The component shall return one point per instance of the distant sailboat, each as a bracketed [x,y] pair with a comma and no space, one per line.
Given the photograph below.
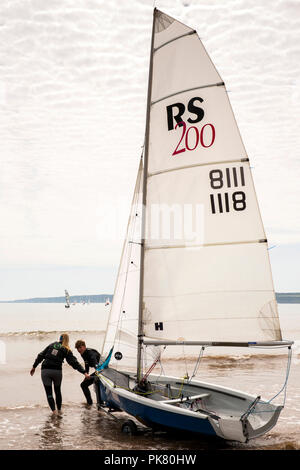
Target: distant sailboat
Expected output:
[170,294]
[67,297]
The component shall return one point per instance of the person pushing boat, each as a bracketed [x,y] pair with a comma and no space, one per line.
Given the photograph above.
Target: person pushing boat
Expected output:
[91,359]
[52,358]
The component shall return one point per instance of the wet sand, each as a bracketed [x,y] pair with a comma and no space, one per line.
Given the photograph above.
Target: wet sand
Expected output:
[26,422]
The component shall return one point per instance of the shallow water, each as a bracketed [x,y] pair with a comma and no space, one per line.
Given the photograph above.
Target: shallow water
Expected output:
[25,419]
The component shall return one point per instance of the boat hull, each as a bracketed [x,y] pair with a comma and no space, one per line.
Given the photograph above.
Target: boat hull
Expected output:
[156,418]
[171,414]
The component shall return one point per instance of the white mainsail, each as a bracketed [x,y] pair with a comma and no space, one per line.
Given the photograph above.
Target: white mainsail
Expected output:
[213,282]
[218,288]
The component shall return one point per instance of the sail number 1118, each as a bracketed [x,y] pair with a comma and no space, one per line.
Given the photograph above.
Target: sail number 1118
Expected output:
[224,202]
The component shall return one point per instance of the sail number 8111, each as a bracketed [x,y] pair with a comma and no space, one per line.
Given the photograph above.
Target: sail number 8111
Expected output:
[222,202]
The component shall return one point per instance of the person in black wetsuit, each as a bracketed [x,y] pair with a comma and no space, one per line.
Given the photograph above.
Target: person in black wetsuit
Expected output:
[91,359]
[53,356]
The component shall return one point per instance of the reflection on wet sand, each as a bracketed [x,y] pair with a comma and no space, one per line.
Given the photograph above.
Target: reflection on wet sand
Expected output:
[89,429]
[51,435]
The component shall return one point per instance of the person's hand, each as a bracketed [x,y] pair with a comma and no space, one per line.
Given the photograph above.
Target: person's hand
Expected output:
[32,371]
[86,376]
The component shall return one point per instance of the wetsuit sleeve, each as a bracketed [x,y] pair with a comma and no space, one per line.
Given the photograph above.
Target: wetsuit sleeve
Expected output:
[94,358]
[40,357]
[72,361]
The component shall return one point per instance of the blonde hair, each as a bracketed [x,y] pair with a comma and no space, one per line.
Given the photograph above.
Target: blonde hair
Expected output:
[65,341]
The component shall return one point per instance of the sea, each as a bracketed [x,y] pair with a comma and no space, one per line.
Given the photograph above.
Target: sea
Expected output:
[26,422]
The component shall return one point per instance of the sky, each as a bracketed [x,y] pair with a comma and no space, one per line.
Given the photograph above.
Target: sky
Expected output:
[73,88]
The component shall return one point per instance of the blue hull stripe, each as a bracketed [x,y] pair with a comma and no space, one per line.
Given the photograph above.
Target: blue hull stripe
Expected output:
[155,417]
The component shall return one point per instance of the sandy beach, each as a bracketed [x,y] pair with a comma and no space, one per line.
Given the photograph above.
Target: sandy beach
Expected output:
[25,419]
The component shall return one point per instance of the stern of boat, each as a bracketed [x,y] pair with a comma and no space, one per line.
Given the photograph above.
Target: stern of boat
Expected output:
[258,421]
[262,420]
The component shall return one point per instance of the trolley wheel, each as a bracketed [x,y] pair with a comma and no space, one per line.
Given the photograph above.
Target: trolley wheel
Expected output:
[129,427]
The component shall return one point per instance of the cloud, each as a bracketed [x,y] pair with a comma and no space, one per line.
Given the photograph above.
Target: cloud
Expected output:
[73,91]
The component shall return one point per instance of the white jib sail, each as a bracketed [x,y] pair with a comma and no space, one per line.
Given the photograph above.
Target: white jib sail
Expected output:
[122,328]
[207,273]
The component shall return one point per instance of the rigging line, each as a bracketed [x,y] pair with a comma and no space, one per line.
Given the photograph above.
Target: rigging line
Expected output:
[185,167]
[286,377]
[185,361]
[127,389]
[148,372]
[197,363]
[165,247]
[160,363]
[162,372]
[181,388]
[188,89]
[190,33]
[284,387]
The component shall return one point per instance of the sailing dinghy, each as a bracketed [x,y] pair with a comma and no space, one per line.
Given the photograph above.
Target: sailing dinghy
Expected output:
[207,287]
[67,297]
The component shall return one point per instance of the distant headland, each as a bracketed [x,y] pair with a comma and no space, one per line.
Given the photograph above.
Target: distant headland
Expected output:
[288,297]
[98,299]
[281,297]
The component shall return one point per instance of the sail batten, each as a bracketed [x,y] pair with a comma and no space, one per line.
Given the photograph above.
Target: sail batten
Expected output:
[238,160]
[188,89]
[174,39]
[165,247]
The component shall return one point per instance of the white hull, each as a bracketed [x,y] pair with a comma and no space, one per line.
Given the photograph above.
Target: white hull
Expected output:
[202,407]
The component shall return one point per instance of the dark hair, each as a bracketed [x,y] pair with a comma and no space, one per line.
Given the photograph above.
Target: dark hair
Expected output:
[79,343]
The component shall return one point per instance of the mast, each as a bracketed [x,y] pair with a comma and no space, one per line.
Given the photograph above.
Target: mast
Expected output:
[146,153]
